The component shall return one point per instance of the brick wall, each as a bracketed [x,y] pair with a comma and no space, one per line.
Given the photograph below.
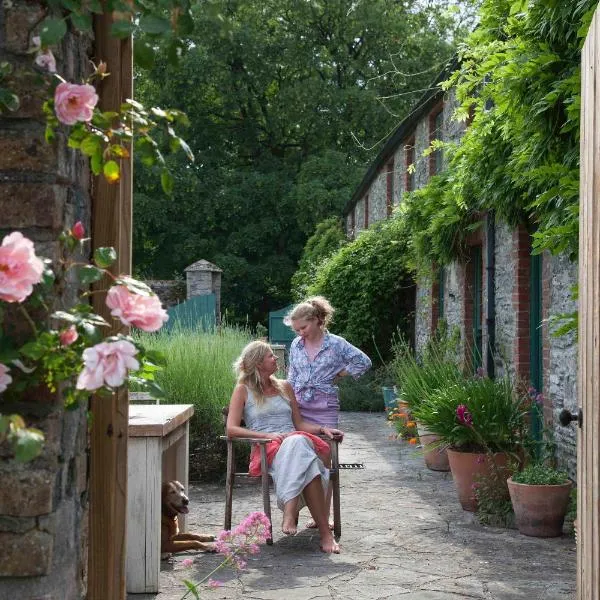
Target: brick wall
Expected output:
[520,301]
[43,188]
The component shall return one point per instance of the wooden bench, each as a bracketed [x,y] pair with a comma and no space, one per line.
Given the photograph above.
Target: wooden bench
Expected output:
[157,451]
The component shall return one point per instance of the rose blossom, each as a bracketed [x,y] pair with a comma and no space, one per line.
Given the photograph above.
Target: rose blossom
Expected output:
[78,230]
[68,336]
[46,60]
[5,378]
[73,102]
[20,268]
[463,415]
[144,312]
[107,363]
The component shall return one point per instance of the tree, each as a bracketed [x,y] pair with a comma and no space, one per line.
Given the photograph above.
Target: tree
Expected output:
[277,94]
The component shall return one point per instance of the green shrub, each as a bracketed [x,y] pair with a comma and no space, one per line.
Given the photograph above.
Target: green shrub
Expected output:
[369,285]
[540,474]
[199,372]
[361,395]
[476,415]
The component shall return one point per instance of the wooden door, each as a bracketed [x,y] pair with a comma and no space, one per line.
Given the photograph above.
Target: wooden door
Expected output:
[588,473]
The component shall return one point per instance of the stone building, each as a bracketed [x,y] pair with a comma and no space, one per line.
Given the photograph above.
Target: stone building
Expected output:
[500,296]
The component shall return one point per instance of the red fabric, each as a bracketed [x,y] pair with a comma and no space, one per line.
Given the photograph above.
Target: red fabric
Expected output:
[321,448]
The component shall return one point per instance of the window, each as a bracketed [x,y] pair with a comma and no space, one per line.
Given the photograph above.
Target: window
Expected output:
[389,199]
[409,153]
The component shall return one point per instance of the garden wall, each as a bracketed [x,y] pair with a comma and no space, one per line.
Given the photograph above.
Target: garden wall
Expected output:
[43,189]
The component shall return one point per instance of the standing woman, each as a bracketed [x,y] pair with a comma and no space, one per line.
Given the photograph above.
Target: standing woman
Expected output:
[295,455]
[318,359]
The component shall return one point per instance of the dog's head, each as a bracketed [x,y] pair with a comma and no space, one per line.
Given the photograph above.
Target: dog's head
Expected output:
[174,500]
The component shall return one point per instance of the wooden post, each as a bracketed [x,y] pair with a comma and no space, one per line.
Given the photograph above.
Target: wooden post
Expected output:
[111,226]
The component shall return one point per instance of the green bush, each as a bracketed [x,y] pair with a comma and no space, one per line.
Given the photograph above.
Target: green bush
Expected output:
[361,395]
[540,474]
[199,371]
[368,283]
[476,415]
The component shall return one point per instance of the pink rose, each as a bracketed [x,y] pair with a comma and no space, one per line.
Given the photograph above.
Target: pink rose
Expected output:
[68,336]
[78,230]
[73,103]
[20,268]
[144,312]
[5,378]
[107,363]
[46,60]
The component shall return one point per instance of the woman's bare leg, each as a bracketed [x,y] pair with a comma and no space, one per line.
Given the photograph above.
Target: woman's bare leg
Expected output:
[312,524]
[315,500]
[290,517]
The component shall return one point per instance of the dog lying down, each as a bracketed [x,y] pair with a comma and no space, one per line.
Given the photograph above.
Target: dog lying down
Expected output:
[175,502]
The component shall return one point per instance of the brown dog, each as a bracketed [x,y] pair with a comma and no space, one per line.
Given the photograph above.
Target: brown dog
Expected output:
[175,502]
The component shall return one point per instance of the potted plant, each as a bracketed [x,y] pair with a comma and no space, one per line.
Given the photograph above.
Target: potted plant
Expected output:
[540,498]
[482,422]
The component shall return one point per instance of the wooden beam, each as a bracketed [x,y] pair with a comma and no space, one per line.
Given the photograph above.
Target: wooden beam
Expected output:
[111,226]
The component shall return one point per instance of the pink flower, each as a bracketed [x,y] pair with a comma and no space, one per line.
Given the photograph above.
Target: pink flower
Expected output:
[214,583]
[144,312]
[20,268]
[78,230]
[68,336]
[463,415]
[187,562]
[107,363]
[46,60]
[73,102]
[5,378]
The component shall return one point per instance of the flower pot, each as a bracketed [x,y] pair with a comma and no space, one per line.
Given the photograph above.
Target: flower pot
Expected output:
[469,467]
[539,509]
[436,457]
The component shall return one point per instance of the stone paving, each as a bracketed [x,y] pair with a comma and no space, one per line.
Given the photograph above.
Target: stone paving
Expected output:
[404,536]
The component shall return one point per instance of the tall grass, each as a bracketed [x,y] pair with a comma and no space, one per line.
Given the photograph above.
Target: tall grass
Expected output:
[199,371]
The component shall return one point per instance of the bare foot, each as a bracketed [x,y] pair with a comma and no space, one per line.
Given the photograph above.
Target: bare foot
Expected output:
[312,525]
[289,525]
[330,546]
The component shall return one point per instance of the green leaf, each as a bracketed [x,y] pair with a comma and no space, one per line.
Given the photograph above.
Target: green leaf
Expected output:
[52,31]
[191,586]
[91,144]
[111,171]
[154,25]
[34,350]
[185,24]
[61,315]
[143,54]
[92,332]
[122,29]
[104,257]
[96,164]
[167,182]
[29,444]
[135,286]
[89,273]
[9,100]
[81,22]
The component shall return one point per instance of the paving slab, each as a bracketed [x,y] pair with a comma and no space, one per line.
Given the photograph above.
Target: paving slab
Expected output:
[404,535]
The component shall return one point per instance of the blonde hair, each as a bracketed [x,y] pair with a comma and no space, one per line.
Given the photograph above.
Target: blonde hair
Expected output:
[315,307]
[246,370]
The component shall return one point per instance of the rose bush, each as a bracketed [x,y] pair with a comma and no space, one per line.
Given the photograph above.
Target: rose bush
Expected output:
[60,348]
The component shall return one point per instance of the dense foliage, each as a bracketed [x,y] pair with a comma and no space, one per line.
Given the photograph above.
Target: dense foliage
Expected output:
[277,93]
[328,238]
[519,80]
[369,284]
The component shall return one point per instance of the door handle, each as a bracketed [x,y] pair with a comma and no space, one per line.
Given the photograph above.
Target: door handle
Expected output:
[566,416]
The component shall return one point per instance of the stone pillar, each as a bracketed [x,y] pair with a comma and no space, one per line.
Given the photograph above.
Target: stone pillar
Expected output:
[44,188]
[203,278]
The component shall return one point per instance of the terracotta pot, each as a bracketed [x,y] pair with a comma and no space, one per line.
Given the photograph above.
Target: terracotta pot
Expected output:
[436,457]
[539,509]
[469,467]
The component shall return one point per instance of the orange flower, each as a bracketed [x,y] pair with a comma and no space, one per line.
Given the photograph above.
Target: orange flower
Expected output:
[402,415]
[412,441]
[411,424]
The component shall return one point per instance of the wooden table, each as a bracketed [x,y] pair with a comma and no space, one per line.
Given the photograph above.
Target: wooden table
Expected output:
[158,450]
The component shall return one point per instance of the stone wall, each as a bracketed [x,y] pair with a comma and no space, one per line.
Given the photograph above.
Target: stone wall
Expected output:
[170,292]
[43,188]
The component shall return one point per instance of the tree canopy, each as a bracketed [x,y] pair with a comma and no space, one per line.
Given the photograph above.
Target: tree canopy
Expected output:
[287,102]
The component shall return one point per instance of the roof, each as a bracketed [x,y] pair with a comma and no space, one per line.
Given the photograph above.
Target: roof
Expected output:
[203,265]
[401,133]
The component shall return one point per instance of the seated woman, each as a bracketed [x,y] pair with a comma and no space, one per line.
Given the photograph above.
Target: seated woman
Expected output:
[270,411]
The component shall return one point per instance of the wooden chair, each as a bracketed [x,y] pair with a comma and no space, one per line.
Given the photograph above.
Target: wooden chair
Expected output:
[334,478]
